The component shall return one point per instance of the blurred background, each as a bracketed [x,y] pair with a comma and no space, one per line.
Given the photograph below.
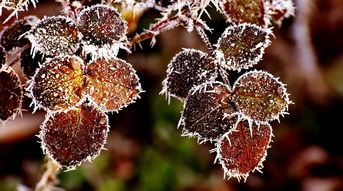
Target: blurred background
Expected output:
[145,151]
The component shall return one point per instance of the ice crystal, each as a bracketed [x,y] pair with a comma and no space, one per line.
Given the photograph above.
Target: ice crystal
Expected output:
[30,64]
[208,112]
[11,94]
[242,46]
[14,6]
[260,96]
[187,69]
[241,151]
[281,9]
[75,136]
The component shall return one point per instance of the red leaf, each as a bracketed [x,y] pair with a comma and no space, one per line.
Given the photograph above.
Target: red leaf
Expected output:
[243,150]
[75,136]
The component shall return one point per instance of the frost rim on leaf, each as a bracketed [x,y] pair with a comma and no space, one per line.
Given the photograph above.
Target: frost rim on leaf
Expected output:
[228,173]
[200,138]
[230,63]
[88,158]
[283,92]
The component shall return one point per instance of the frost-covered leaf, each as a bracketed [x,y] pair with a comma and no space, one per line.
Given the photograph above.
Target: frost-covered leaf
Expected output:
[12,36]
[55,36]
[30,64]
[245,11]
[103,30]
[57,84]
[208,112]
[11,94]
[243,150]
[112,84]
[75,136]
[281,9]
[2,56]
[242,46]
[260,96]
[187,69]
[101,24]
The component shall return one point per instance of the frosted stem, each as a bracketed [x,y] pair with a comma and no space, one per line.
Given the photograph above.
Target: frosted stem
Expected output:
[49,178]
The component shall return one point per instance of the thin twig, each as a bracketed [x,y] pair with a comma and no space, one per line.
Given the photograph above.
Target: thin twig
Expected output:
[49,177]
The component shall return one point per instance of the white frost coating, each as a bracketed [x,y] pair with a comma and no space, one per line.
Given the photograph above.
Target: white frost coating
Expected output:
[105,51]
[286,6]
[170,69]
[246,59]
[233,173]
[281,90]
[22,5]
[46,151]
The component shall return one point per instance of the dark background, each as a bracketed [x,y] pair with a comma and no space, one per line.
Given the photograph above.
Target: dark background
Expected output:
[145,150]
